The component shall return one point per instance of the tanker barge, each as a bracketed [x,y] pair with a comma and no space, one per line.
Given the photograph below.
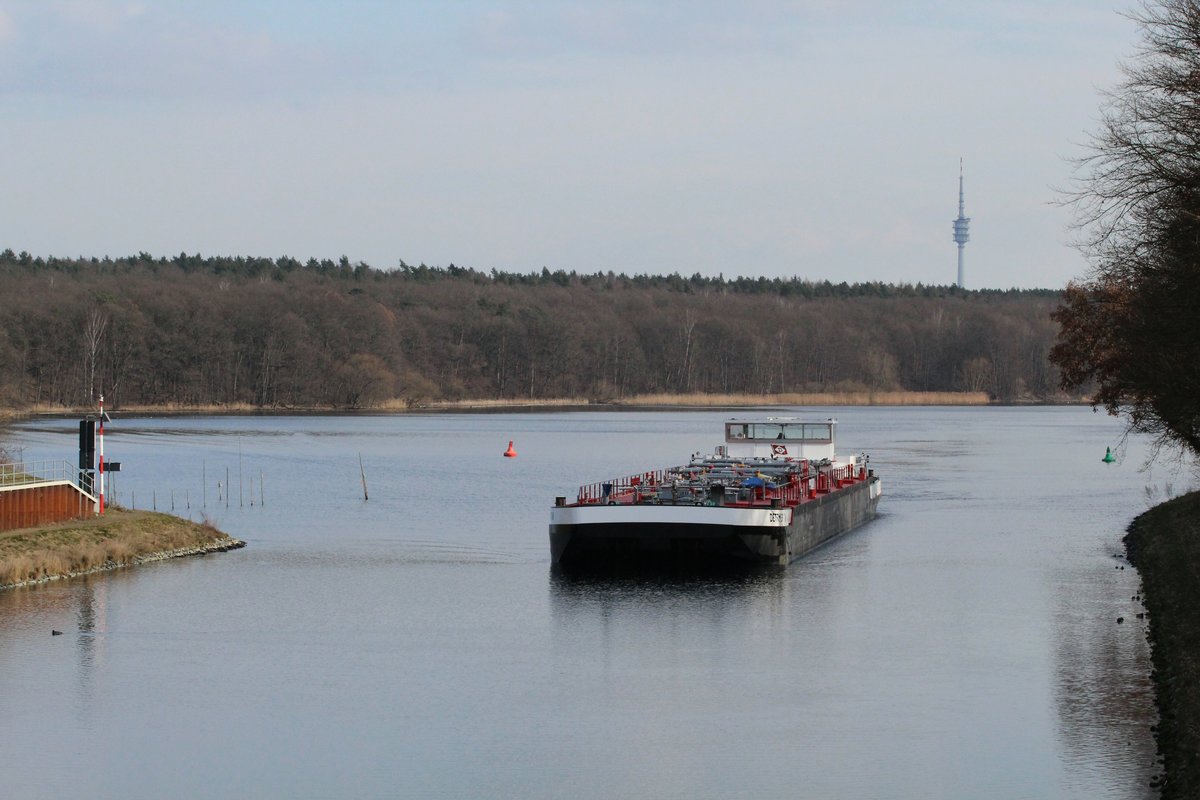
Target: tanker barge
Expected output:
[774,491]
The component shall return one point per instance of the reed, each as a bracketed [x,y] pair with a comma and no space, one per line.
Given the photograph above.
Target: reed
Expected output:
[508,403]
[191,408]
[119,538]
[855,398]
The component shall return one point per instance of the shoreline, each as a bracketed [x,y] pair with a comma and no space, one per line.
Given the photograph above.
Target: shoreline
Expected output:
[1164,545]
[121,538]
[148,558]
[680,402]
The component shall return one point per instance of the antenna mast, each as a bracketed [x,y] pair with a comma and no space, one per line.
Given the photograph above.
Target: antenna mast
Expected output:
[961,226]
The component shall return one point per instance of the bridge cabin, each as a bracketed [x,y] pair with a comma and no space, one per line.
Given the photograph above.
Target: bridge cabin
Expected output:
[780,437]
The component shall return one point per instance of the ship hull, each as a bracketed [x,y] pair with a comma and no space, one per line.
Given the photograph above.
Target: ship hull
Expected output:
[580,535]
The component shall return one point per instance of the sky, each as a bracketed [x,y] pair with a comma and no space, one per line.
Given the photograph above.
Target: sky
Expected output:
[813,139]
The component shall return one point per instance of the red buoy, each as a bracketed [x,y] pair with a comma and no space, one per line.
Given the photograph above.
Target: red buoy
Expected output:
[510,452]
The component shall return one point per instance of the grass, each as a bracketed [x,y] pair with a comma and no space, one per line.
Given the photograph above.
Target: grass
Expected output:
[1164,544]
[118,538]
[858,398]
[695,400]
[492,403]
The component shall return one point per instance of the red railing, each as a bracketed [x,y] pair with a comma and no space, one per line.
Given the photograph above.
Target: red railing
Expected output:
[622,490]
[658,486]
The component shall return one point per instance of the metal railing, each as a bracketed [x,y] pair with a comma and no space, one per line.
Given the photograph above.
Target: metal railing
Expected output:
[682,486]
[25,472]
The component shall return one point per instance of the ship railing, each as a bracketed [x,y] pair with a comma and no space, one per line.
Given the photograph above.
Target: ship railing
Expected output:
[621,490]
[682,487]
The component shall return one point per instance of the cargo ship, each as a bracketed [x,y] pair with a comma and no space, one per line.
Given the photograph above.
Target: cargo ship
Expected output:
[774,491]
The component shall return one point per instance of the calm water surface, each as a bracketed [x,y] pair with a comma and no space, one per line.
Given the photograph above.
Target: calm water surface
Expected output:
[963,645]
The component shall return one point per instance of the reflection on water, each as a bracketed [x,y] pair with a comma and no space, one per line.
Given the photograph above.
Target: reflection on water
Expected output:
[419,644]
[1103,691]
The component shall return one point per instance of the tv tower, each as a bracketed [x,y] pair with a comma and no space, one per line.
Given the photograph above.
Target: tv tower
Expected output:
[961,226]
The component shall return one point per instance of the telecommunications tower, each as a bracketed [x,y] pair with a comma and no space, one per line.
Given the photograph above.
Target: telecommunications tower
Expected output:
[961,226]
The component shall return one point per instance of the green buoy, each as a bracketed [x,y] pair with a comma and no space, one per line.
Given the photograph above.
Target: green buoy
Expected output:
[1108,456]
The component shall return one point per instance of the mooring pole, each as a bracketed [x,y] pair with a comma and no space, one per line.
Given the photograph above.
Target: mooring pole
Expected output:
[362,472]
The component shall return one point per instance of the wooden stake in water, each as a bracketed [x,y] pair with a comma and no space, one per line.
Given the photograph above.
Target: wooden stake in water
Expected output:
[261,500]
[363,473]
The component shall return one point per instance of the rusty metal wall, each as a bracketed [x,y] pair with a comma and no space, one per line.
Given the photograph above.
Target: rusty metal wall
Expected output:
[26,507]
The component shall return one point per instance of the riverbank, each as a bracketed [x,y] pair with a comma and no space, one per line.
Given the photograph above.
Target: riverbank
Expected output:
[1164,545]
[398,406]
[120,538]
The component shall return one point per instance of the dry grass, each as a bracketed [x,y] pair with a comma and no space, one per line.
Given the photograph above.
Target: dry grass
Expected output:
[400,404]
[117,538]
[191,408]
[508,403]
[813,399]
[45,409]
[1164,544]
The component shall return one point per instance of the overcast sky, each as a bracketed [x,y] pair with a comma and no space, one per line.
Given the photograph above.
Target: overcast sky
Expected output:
[813,138]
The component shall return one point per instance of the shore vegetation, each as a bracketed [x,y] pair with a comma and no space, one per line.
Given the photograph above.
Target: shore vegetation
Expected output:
[118,538]
[1131,331]
[1164,545]
[248,333]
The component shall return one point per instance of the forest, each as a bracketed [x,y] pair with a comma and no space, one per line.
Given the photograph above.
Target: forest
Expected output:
[281,333]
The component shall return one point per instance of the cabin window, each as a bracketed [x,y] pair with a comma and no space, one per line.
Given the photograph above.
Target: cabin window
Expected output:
[768,430]
[777,431]
[819,433]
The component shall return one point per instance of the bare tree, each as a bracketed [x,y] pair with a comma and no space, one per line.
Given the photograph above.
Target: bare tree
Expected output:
[93,336]
[1132,326]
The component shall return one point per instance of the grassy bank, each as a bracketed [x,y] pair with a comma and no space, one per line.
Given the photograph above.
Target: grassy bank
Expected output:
[813,399]
[119,538]
[399,405]
[1164,544]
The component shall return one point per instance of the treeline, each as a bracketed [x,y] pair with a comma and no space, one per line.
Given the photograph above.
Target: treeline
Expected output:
[282,333]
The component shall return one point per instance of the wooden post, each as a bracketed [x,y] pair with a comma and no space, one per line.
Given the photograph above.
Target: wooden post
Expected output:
[362,473]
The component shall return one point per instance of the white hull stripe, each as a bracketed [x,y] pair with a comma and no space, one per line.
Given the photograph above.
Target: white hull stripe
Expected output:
[666,515]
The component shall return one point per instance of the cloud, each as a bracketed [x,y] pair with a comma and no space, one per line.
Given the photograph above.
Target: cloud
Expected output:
[526,31]
[8,28]
[770,138]
[98,49]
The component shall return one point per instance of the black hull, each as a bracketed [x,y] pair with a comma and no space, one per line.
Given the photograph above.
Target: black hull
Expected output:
[813,523]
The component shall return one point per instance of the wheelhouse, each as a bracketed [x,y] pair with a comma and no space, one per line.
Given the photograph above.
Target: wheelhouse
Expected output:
[780,437]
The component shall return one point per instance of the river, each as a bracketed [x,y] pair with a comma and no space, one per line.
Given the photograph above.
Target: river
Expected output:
[418,644]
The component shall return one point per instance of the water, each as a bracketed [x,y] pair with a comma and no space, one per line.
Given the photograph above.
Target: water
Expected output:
[964,644]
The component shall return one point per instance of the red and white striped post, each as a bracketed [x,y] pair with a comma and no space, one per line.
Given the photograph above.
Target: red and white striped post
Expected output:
[100,448]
